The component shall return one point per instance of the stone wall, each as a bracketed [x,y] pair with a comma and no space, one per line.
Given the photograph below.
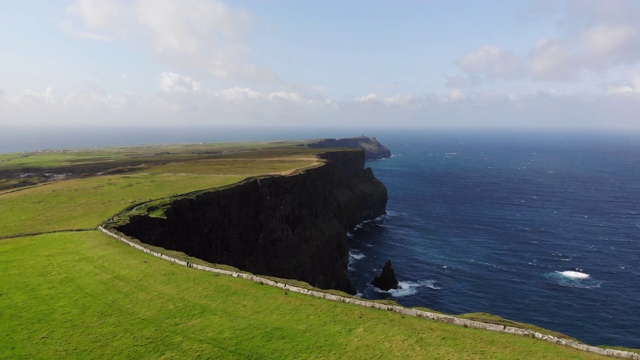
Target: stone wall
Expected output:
[398,309]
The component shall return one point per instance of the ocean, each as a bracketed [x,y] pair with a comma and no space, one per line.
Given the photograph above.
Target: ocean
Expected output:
[542,228]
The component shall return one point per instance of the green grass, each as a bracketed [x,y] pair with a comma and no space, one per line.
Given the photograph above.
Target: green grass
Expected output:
[84,295]
[85,203]
[47,159]
[235,166]
[151,173]
[65,158]
[26,169]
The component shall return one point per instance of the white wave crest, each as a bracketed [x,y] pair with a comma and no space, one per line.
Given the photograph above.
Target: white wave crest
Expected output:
[574,274]
[403,291]
[408,288]
[353,257]
[574,278]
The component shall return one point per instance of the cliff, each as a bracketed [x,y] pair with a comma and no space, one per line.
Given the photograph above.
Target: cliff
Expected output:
[286,226]
[373,149]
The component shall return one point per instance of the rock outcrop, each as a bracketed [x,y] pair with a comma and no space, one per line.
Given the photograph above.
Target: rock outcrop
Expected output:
[286,226]
[387,280]
[373,149]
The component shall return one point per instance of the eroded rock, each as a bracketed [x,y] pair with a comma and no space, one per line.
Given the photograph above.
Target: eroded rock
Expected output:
[285,226]
[387,280]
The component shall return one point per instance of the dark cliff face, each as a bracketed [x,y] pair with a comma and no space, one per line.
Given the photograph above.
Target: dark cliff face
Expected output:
[285,226]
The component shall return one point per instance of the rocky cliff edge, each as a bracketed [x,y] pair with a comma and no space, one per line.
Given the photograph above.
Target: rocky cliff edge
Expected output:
[286,226]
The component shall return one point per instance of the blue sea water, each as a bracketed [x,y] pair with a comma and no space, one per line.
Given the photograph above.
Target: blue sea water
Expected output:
[537,228]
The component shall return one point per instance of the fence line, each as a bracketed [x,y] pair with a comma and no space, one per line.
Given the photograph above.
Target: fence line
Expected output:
[398,309]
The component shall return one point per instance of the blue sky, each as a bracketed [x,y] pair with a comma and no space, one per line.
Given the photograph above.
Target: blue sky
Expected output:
[416,63]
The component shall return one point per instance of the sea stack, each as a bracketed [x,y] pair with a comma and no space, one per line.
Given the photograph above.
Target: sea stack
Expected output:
[387,280]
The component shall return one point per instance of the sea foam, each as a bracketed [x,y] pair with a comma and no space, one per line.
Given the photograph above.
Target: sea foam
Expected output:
[574,274]
[408,288]
[574,278]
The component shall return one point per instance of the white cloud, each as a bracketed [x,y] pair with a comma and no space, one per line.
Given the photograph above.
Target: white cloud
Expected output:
[207,35]
[91,101]
[184,27]
[68,28]
[287,96]
[593,38]
[399,99]
[622,89]
[456,81]
[237,94]
[31,98]
[606,40]
[174,83]
[246,106]
[631,88]
[457,95]
[610,45]
[491,61]
[373,100]
[368,98]
[96,13]
[29,107]
[552,61]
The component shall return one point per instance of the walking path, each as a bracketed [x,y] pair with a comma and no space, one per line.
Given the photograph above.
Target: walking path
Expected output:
[398,309]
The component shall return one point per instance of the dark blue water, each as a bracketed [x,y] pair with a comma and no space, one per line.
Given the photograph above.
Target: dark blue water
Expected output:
[538,228]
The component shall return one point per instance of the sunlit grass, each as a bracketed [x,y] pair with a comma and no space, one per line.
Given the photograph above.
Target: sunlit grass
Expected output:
[84,295]
[151,172]
[170,152]
[235,166]
[85,203]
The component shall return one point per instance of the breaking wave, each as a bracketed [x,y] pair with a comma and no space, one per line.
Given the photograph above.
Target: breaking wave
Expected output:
[574,278]
[574,274]
[408,288]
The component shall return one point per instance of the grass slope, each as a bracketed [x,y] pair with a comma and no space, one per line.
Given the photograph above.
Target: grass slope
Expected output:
[85,203]
[84,295]
[150,173]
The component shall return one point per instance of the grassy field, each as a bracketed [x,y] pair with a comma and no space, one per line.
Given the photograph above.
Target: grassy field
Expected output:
[85,203]
[85,295]
[241,166]
[66,158]
[24,169]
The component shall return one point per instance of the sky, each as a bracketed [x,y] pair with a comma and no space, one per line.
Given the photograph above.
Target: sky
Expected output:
[513,64]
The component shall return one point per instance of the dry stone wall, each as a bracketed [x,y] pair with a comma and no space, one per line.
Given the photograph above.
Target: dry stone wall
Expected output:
[398,309]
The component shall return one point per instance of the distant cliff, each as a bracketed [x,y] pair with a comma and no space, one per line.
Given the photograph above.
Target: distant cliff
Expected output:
[286,226]
[373,149]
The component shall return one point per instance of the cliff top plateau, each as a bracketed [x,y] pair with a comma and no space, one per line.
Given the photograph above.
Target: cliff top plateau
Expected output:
[373,149]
